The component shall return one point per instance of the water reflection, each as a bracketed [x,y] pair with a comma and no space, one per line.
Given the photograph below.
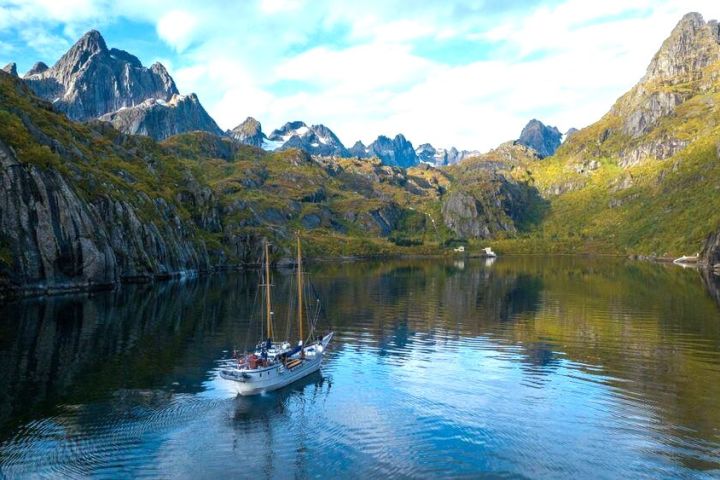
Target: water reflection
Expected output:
[526,366]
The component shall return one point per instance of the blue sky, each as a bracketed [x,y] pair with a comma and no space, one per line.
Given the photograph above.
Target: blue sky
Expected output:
[462,73]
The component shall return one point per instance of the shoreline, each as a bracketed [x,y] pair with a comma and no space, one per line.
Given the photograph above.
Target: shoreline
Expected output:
[9,294]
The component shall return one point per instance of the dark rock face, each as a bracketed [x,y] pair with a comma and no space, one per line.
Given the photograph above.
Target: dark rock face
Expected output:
[91,80]
[710,254]
[160,120]
[316,140]
[463,214]
[544,139]
[67,243]
[397,152]
[11,68]
[248,132]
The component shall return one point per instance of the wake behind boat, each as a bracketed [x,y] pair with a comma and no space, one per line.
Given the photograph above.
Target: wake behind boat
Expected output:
[274,365]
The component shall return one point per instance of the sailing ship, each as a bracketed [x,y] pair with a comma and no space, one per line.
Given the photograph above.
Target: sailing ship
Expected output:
[273,365]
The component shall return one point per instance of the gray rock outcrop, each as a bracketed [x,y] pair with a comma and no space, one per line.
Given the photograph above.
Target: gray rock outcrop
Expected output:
[160,120]
[248,132]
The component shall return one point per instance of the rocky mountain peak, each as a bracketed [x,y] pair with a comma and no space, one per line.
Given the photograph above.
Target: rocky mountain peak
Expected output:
[248,132]
[316,139]
[36,69]
[11,68]
[89,80]
[88,45]
[358,150]
[396,152]
[692,45]
[544,139]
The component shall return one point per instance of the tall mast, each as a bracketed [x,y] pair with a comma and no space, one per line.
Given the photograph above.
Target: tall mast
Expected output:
[299,287]
[268,307]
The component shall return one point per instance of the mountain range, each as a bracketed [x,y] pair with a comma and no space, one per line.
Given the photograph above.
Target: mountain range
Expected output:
[91,81]
[91,198]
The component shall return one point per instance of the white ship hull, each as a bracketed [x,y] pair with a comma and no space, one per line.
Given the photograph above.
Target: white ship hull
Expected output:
[246,382]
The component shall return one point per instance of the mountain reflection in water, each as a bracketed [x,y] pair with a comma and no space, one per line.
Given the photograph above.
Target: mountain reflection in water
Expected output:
[539,367]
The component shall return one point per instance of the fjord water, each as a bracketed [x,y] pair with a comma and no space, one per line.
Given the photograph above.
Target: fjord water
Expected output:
[530,367]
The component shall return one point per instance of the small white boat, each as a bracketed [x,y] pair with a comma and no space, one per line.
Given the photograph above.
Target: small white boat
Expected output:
[273,366]
[487,252]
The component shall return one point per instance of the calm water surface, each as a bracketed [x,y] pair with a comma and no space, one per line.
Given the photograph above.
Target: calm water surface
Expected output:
[525,368]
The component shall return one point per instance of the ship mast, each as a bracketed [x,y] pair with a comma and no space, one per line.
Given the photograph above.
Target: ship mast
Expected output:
[299,287]
[268,307]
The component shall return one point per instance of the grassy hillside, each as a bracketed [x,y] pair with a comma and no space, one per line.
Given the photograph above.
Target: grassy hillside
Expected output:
[645,178]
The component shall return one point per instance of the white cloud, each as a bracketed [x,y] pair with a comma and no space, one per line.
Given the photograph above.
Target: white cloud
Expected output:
[564,64]
[177,27]
[275,6]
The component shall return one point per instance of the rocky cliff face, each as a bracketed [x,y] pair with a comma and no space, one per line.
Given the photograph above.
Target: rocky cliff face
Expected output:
[249,132]
[76,211]
[160,120]
[710,253]
[544,139]
[91,80]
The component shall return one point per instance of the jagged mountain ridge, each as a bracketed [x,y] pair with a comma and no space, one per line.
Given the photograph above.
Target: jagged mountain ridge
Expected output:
[321,141]
[93,81]
[441,157]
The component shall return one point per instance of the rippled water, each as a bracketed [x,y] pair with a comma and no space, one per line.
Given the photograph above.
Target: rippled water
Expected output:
[528,367]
